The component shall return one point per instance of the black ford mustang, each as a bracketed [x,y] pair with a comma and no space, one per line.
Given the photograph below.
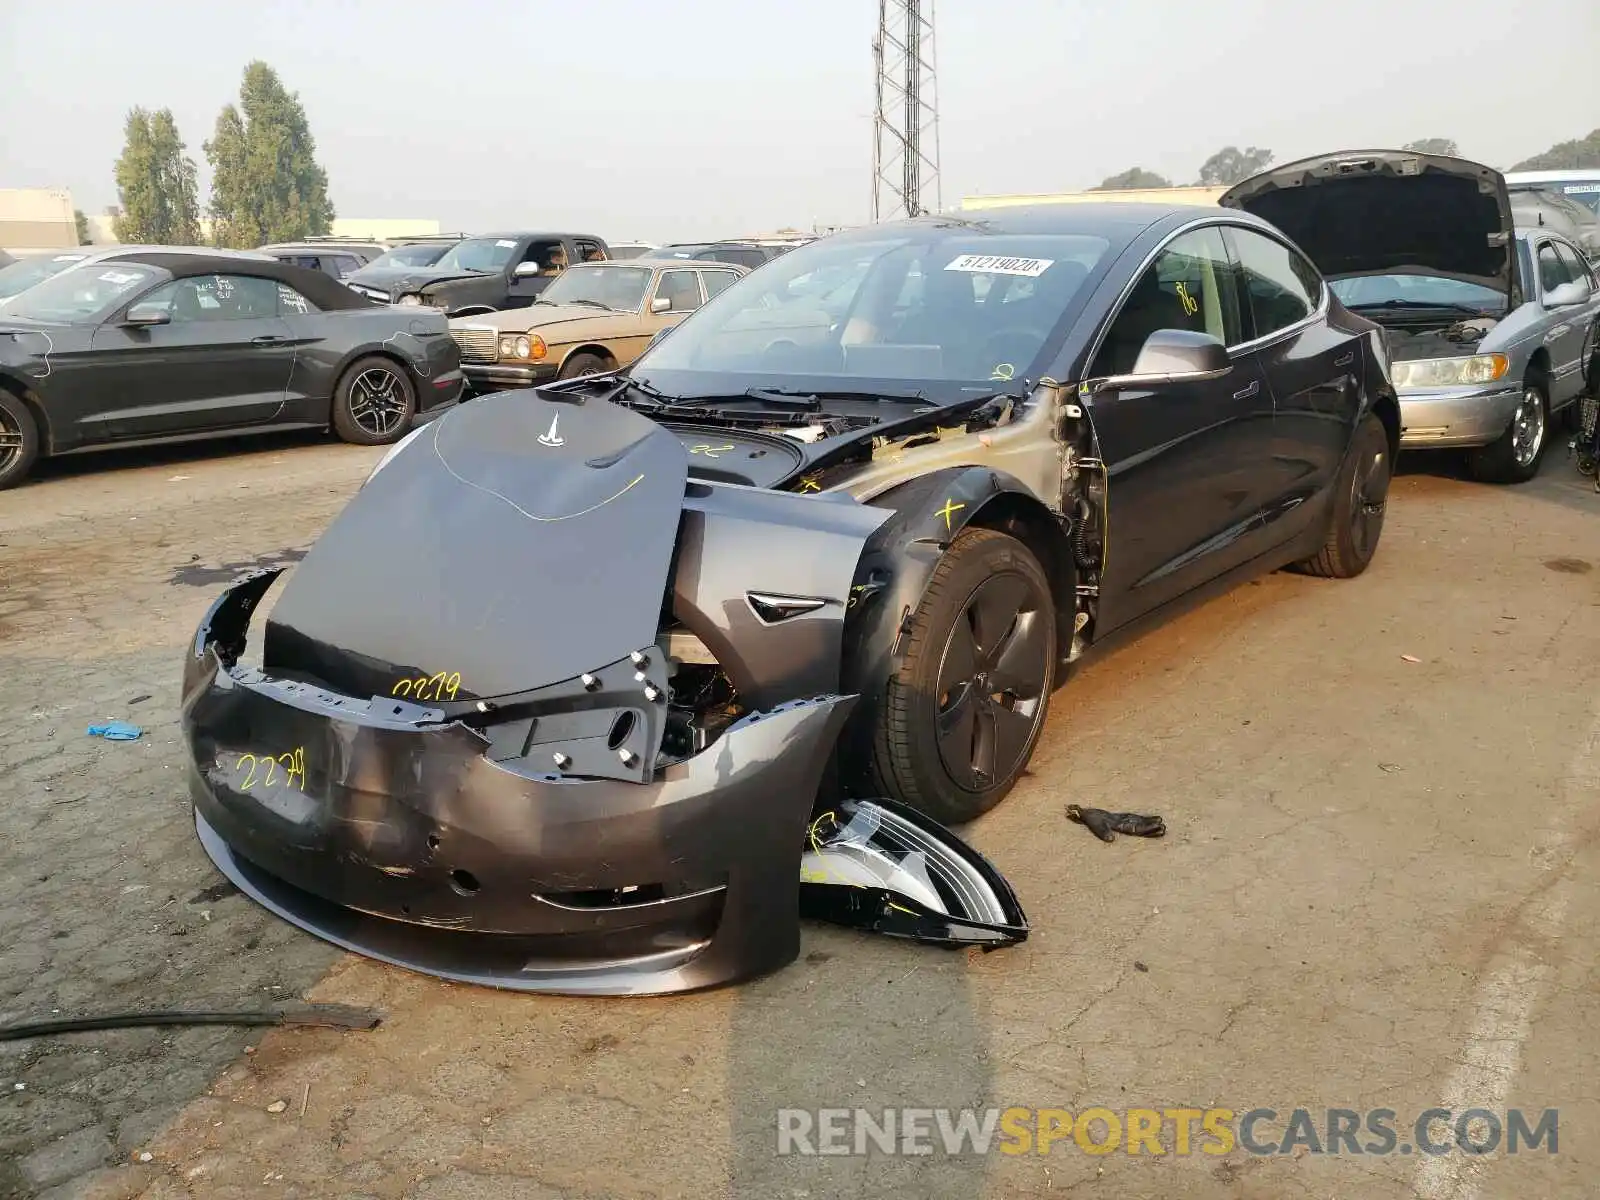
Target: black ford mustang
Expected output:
[159,346]
[786,597]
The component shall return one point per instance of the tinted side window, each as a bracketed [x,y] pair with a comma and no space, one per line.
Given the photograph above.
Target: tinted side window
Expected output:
[1576,267]
[588,251]
[1552,272]
[1283,288]
[1191,285]
[292,303]
[344,264]
[716,281]
[216,298]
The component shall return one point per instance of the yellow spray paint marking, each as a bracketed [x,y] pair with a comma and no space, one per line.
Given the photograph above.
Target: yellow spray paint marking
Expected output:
[808,483]
[443,686]
[1190,304]
[1002,372]
[708,450]
[292,761]
[949,507]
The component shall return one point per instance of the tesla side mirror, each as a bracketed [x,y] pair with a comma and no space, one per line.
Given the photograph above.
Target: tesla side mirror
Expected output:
[1575,291]
[144,315]
[1172,356]
[661,304]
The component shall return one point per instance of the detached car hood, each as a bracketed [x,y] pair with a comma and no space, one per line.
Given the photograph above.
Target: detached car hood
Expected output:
[575,320]
[1381,212]
[548,535]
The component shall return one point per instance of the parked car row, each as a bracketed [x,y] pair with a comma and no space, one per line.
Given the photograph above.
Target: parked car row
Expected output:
[1487,320]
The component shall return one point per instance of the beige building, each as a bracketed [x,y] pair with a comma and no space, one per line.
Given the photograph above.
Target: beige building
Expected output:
[1174,195]
[36,219]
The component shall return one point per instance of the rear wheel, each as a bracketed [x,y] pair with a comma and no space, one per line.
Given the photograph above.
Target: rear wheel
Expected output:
[19,440]
[583,364]
[1514,457]
[1360,502]
[964,709]
[374,402]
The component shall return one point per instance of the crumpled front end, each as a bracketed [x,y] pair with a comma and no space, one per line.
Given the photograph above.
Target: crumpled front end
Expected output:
[384,827]
[543,712]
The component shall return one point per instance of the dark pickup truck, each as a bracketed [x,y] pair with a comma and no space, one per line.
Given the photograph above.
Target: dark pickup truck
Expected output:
[489,273]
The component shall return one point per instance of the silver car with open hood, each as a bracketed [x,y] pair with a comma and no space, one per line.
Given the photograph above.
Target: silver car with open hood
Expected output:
[1492,329]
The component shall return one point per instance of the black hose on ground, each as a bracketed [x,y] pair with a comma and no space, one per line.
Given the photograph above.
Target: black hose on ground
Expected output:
[326,1016]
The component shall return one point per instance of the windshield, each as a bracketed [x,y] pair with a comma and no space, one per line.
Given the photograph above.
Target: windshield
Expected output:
[1585,192]
[22,275]
[478,254]
[410,256]
[1368,290]
[938,304]
[620,288]
[82,293]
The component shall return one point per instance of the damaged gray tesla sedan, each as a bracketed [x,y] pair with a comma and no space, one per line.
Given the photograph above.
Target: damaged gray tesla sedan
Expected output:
[664,660]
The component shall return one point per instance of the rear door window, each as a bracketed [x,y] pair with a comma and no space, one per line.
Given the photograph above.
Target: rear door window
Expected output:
[1283,288]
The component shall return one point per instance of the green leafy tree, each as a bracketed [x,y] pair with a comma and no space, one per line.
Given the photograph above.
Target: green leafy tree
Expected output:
[1446,146]
[1231,164]
[1576,155]
[266,183]
[155,183]
[1131,179]
[82,223]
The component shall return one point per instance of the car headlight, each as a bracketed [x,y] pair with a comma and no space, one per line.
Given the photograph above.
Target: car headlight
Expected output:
[1451,372]
[524,346]
[393,450]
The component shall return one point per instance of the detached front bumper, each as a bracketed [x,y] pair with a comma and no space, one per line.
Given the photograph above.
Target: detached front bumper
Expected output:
[383,827]
[490,376]
[1458,417]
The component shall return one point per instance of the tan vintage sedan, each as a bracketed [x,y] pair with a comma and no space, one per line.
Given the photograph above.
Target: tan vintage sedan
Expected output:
[595,317]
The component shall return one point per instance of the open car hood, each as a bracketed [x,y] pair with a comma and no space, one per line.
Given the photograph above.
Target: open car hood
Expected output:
[1382,212]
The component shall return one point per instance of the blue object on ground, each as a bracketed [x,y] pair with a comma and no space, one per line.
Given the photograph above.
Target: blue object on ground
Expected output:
[116,731]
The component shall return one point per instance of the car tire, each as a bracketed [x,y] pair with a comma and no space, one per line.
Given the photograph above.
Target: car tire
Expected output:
[1360,500]
[374,403]
[1514,456]
[583,364]
[19,440]
[941,719]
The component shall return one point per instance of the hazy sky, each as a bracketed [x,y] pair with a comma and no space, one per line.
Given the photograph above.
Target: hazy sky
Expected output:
[715,117]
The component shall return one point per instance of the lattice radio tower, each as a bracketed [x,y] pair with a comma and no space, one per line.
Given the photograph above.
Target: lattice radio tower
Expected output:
[905,141]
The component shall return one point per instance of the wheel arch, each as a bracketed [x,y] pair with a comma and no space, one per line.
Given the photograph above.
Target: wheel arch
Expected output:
[598,349]
[30,400]
[897,566]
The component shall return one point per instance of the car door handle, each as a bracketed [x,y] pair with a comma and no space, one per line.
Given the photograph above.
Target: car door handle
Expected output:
[1346,360]
[1245,393]
[267,339]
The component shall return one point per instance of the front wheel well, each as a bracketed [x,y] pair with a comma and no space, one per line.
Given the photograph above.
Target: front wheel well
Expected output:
[30,401]
[1539,365]
[594,348]
[1045,536]
[1387,409]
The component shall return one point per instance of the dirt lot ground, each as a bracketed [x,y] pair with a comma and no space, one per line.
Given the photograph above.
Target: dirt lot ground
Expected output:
[1377,892]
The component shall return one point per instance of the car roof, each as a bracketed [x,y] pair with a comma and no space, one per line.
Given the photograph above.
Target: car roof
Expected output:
[550,235]
[322,290]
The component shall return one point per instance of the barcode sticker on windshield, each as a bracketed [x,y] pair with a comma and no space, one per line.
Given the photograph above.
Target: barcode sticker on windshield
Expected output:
[998,264]
[118,277]
[505,243]
[1581,189]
